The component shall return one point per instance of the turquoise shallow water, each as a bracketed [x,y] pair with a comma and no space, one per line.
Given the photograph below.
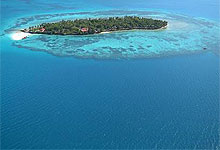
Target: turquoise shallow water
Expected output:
[50,102]
[184,35]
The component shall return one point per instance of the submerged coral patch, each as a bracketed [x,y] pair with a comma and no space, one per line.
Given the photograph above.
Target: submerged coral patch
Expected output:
[184,35]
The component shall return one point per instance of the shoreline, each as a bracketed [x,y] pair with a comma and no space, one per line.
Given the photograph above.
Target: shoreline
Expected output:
[105,32]
[162,28]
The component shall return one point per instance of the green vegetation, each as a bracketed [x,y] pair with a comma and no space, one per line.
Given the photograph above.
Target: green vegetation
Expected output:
[94,26]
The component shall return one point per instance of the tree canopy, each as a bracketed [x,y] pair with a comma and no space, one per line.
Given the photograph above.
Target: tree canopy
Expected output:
[97,25]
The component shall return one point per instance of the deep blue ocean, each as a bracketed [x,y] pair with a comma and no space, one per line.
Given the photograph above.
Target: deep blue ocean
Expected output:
[51,102]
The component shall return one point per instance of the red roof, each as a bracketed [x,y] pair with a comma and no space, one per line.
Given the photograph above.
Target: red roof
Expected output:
[84,29]
[42,29]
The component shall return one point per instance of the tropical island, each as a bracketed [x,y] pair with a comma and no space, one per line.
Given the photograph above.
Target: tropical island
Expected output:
[97,25]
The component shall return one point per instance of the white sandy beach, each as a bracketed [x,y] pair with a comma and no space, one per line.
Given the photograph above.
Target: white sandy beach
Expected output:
[104,32]
[18,35]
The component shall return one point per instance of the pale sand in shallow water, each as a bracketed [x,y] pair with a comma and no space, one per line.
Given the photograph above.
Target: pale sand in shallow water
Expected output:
[19,35]
[104,32]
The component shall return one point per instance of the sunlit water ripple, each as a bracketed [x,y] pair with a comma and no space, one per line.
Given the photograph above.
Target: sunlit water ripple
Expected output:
[65,103]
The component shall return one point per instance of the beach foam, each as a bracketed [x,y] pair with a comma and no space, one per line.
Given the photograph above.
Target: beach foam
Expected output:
[19,35]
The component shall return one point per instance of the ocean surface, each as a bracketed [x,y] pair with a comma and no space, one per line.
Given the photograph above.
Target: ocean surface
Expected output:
[163,97]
